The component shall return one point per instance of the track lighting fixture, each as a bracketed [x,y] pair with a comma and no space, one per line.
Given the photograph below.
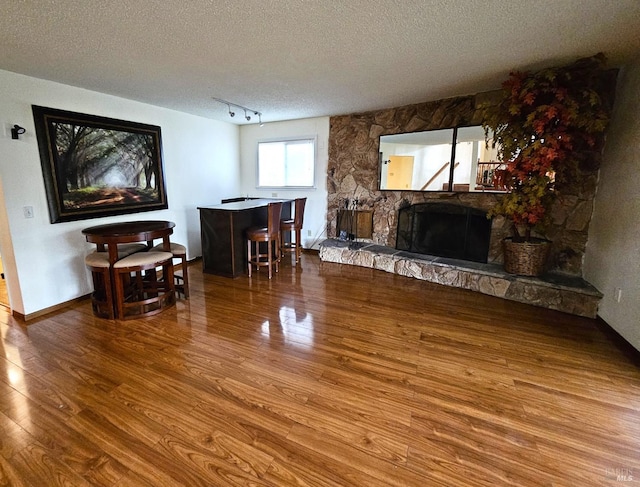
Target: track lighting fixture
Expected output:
[247,111]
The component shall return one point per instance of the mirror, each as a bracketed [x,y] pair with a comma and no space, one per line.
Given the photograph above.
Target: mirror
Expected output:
[422,161]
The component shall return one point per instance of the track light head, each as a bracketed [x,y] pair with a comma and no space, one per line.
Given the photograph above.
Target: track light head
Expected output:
[247,117]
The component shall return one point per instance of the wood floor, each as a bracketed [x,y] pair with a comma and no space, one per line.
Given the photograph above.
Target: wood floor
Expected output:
[327,375]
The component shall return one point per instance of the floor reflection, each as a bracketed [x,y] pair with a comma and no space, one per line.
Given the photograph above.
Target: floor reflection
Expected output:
[15,403]
[295,328]
[294,324]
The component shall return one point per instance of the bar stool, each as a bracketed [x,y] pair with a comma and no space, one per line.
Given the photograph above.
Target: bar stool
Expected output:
[269,235]
[102,296]
[143,295]
[294,227]
[178,251]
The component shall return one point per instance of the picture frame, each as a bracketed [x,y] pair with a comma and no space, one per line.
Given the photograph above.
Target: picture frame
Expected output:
[96,166]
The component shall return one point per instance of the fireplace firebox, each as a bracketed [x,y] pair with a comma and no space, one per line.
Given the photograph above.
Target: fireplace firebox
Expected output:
[444,230]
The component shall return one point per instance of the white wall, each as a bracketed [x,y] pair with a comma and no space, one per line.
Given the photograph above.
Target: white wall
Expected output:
[612,259]
[44,262]
[315,215]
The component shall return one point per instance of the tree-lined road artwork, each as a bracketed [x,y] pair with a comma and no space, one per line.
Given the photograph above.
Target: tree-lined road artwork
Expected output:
[104,167]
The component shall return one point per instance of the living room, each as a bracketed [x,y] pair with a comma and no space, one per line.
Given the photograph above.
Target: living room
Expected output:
[209,156]
[221,164]
[216,160]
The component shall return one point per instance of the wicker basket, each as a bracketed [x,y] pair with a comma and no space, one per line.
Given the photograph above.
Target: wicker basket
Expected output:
[526,258]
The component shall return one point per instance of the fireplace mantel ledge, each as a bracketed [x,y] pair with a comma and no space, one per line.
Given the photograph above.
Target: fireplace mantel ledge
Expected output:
[556,291]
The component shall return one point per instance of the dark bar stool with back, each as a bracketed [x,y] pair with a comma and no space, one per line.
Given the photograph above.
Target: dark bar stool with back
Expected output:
[294,227]
[269,235]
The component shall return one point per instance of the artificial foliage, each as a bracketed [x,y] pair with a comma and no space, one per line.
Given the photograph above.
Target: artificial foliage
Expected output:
[546,124]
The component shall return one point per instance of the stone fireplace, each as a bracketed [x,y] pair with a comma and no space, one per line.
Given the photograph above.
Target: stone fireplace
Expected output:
[353,172]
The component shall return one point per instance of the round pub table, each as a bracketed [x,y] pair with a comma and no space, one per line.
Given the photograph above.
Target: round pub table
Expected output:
[107,237]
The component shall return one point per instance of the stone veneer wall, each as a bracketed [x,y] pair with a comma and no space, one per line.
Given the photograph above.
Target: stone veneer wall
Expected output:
[353,173]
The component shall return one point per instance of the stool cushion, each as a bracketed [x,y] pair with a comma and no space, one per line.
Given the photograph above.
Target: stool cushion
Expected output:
[259,233]
[97,259]
[176,248]
[142,258]
[287,225]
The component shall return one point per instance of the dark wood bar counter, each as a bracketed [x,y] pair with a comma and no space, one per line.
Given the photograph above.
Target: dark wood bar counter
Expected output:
[222,233]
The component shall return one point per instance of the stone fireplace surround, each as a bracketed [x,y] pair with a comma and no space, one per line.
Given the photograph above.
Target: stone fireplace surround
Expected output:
[353,173]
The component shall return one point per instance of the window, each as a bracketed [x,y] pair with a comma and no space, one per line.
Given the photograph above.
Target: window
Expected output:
[286,163]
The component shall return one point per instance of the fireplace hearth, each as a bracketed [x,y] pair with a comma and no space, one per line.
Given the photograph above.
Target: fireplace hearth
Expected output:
[570,294]
[444,230]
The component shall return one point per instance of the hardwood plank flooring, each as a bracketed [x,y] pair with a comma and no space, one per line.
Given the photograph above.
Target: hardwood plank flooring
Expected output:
[327,375]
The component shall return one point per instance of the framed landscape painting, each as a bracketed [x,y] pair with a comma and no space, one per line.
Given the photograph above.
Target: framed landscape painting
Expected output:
[95,166]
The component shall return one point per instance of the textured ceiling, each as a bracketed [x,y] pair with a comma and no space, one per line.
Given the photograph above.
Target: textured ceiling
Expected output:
[293,59]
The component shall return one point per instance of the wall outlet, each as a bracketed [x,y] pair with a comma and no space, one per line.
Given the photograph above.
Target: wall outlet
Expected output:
[618,295]
[308,233]
[274,195]
[28,211]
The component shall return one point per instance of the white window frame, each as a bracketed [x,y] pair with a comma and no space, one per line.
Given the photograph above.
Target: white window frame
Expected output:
[312,139]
